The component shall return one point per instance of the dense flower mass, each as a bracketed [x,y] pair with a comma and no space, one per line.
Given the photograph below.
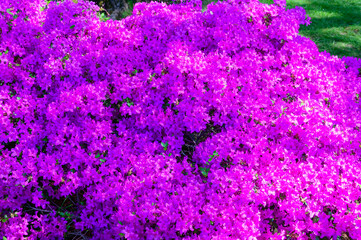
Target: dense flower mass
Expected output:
[175,123]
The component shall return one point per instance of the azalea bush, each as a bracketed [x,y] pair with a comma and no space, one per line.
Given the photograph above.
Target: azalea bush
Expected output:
[175,124]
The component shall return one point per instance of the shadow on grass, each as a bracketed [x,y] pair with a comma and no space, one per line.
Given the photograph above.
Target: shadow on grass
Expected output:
[336,25]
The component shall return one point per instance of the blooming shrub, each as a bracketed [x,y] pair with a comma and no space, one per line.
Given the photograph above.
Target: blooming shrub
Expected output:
[175,124]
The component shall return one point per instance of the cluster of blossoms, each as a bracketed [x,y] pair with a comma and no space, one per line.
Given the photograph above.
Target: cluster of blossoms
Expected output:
[175,124]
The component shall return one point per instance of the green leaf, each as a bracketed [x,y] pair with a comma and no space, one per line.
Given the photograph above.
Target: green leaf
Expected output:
[129,102]
[97,156]
[102,160]
[315,219]
[151,77]
[102,17]
[204,171]
[105,153]
[9,11]
[4,238]
[1,53]
[72,26]
[215,154]
[66,57]
[165,103]
[165,146]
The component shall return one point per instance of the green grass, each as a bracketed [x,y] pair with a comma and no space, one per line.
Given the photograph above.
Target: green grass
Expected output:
[335,28]
[336,25]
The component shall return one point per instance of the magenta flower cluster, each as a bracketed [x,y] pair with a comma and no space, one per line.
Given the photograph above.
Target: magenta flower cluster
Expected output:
[175,123]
